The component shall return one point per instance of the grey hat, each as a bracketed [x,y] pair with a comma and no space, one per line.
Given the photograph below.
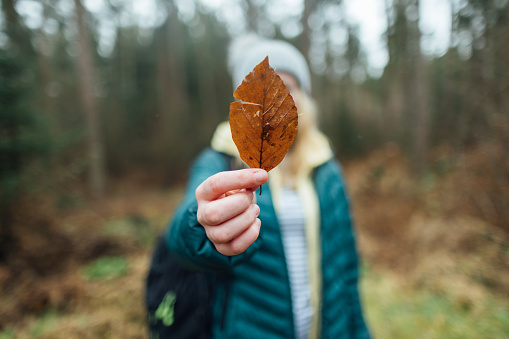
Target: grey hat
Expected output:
[248,51]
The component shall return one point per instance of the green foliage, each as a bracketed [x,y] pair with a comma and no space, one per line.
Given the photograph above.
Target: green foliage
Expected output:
[160,83]
[45,323]
[106,268]
[134,227]
[24,136]
[24,139]
[67,201]
[7,334]
[395,312]
[349,138]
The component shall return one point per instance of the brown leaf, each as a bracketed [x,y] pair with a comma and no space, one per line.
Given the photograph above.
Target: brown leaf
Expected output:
[264,121]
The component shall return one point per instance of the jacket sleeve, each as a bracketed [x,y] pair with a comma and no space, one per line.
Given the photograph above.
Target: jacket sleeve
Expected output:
[185,237]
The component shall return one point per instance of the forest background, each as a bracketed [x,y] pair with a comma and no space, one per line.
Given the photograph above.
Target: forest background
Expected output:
[97,135]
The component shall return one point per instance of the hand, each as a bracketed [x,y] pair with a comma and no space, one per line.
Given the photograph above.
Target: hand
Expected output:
[227,209]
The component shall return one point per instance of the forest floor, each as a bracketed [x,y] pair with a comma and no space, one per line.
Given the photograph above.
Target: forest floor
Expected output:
[431,268]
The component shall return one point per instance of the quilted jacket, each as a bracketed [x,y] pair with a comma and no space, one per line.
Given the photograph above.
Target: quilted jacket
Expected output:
[251,292]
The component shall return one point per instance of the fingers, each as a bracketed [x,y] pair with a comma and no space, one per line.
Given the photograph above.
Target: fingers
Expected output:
[253,200]
[237,234]
[227,231]
[220,183]
[240,244]
[227,209]
[218,211]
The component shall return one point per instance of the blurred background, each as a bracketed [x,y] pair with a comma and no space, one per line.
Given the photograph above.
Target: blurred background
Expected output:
[104,103]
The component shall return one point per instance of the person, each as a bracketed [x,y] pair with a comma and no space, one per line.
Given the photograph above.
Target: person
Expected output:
[282,264]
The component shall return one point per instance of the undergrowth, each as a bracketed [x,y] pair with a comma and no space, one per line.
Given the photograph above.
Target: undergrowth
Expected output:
[394,311]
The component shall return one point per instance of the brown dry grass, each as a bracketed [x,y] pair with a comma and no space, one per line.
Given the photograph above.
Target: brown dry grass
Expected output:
[428,229]
[432,233]
[42,287]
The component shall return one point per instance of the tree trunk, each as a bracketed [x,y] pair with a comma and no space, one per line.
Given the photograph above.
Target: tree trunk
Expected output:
[504,86]
[96,171]
[394,73]
[305,37]
[206,88]
[421,119]
[252,16]
[418,97]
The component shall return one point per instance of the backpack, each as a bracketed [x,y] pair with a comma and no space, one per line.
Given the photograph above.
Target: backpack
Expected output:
[178,300]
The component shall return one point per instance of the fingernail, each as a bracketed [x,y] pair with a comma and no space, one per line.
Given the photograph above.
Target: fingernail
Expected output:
[259,176]
[256,208]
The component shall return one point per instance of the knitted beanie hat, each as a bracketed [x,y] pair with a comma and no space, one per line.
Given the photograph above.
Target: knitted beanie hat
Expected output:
[248,51]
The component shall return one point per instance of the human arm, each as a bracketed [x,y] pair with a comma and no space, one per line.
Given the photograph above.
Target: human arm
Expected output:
[217,216]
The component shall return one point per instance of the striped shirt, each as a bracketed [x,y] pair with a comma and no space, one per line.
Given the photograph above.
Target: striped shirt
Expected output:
[292,222]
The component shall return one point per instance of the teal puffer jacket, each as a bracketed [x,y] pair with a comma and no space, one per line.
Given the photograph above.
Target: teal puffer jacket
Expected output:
[251,291]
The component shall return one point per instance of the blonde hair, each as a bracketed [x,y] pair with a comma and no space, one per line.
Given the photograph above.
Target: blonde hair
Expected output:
[296,157]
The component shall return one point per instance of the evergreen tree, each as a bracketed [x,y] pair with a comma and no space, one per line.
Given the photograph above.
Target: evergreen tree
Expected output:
[23,139]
